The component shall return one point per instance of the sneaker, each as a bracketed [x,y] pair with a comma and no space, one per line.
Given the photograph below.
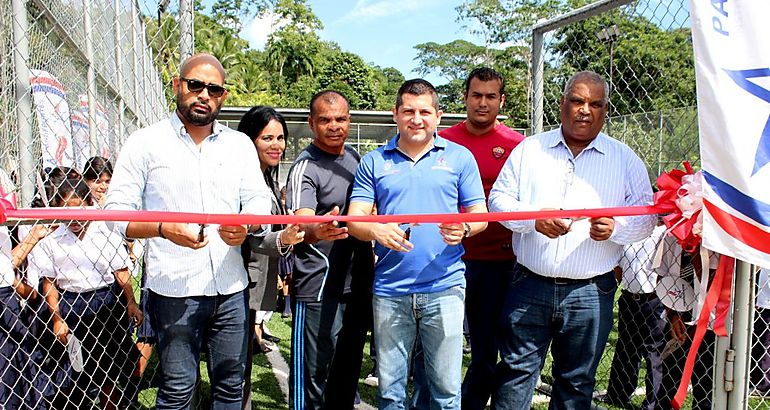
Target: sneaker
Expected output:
[372,380]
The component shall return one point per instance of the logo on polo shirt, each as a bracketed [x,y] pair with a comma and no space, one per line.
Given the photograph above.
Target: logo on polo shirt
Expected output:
[442,164]
[388,168]
[498,152]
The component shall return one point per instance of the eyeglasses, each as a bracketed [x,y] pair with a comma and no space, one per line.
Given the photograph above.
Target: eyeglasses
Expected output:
[197,86]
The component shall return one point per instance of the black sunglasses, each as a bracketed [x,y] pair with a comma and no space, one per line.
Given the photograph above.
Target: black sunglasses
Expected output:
[197,86]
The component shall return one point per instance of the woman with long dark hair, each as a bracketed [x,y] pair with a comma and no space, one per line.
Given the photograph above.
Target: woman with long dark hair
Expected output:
[268,131]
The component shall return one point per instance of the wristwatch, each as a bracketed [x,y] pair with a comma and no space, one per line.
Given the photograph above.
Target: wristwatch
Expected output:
[466,229]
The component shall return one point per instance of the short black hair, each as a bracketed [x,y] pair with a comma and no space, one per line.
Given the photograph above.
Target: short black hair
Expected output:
[329,96]
[417,86]
[72,187]
[95,167]
[485,74]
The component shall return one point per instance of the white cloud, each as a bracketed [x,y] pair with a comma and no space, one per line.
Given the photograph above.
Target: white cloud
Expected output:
[369,9]
[259,29]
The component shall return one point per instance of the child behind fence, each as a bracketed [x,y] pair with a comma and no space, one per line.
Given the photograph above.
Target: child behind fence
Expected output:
[86,283]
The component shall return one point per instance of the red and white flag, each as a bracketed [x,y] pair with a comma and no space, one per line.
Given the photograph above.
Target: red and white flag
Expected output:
[732,63]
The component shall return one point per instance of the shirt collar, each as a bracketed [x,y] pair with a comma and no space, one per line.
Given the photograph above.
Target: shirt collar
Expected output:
[180,130]
[599,143]
[438,142]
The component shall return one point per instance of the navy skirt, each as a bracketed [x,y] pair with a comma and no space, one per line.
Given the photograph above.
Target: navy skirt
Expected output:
[19,363]
[98,318]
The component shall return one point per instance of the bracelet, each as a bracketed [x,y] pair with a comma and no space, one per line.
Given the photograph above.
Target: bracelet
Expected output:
[160,230]
[283,250]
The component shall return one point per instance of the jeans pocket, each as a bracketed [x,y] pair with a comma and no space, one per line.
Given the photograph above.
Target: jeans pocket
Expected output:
[519,273]
[606,285]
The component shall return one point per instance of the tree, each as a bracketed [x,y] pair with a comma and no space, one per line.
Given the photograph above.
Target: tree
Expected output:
[349,74]
[231,13]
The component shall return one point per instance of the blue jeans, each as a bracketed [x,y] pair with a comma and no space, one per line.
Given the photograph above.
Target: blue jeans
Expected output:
[485,293]
[183,325]
[438,318]
[575,319]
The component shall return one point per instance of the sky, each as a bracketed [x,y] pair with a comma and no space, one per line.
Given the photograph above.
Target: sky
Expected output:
[383,32]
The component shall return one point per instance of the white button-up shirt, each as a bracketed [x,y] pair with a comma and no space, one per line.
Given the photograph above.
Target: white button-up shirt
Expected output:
[161,169]
[542,173]
[80,265]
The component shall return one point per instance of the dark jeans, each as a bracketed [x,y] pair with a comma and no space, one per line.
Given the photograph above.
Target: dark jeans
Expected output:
[314,334]
[641,333]
[574,319]
[183,324]
[486,282]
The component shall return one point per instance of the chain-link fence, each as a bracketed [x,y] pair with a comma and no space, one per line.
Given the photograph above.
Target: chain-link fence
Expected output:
[643,49]
[76,78]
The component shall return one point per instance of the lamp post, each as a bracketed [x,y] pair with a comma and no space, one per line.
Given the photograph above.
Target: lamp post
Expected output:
[609,35]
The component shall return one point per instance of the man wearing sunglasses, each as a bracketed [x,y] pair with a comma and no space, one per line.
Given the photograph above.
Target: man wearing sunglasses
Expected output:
[195,275]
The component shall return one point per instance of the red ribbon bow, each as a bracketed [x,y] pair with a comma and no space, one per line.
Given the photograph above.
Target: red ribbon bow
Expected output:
[669,190]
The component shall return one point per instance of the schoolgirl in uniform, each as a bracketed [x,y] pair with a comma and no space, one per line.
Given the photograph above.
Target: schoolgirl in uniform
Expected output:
[87,286]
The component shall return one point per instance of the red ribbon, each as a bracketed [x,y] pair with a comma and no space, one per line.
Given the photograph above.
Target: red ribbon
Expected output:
[669,184]
[715,295]
[7,202]
[231,219]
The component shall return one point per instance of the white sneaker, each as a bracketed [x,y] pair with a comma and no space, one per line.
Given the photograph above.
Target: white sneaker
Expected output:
[371,380]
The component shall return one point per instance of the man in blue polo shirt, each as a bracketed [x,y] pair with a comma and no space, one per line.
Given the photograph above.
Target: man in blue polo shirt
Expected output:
[419,277]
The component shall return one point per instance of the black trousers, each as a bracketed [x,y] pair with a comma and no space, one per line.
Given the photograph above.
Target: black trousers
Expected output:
[641,334]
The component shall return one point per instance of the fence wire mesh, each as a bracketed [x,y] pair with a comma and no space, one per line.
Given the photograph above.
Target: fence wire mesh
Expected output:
[102,70]
[76,78]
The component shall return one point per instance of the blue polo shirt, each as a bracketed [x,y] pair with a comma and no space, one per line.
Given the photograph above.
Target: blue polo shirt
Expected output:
[443,180]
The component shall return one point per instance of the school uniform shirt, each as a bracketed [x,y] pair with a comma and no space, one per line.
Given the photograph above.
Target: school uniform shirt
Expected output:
[7,274]
[763,289]
[638,275]
[81,265]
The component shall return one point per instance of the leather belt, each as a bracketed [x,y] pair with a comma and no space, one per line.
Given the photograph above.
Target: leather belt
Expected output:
[564,281]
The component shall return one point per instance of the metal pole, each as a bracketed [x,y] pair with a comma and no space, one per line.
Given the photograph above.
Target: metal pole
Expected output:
[118,140]
[743,324]
[91,81]
[186,30]
[135,63]
[27,163]
[537,81]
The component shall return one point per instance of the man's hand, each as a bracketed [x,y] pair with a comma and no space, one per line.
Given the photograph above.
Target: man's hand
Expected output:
[181,235]
[552,228]
[452,233]
[391,236]
[601,228]
[330,231]
[233,235]
[678,329]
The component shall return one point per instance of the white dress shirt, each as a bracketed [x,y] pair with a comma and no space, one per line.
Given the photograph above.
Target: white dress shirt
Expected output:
[638,275]
[161,169]
[80,265]
[542,173]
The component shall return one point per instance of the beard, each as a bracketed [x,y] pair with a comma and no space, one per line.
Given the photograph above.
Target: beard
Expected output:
[196,118]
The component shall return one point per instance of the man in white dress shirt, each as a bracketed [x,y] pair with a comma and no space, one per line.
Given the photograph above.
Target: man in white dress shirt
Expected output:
[195,275]
[562,291]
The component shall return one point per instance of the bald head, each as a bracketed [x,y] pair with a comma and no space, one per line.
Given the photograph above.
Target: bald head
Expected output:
[199,59]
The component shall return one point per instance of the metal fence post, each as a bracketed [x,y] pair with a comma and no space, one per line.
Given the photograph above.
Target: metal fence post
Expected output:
[119,80]
[90,77]
[186,27]
[537,81]
[23,101]
[743,324]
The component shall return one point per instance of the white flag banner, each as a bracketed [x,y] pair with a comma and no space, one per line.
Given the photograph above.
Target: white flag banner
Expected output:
[53,117]
[80,138]
[102,127]
[732,63]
